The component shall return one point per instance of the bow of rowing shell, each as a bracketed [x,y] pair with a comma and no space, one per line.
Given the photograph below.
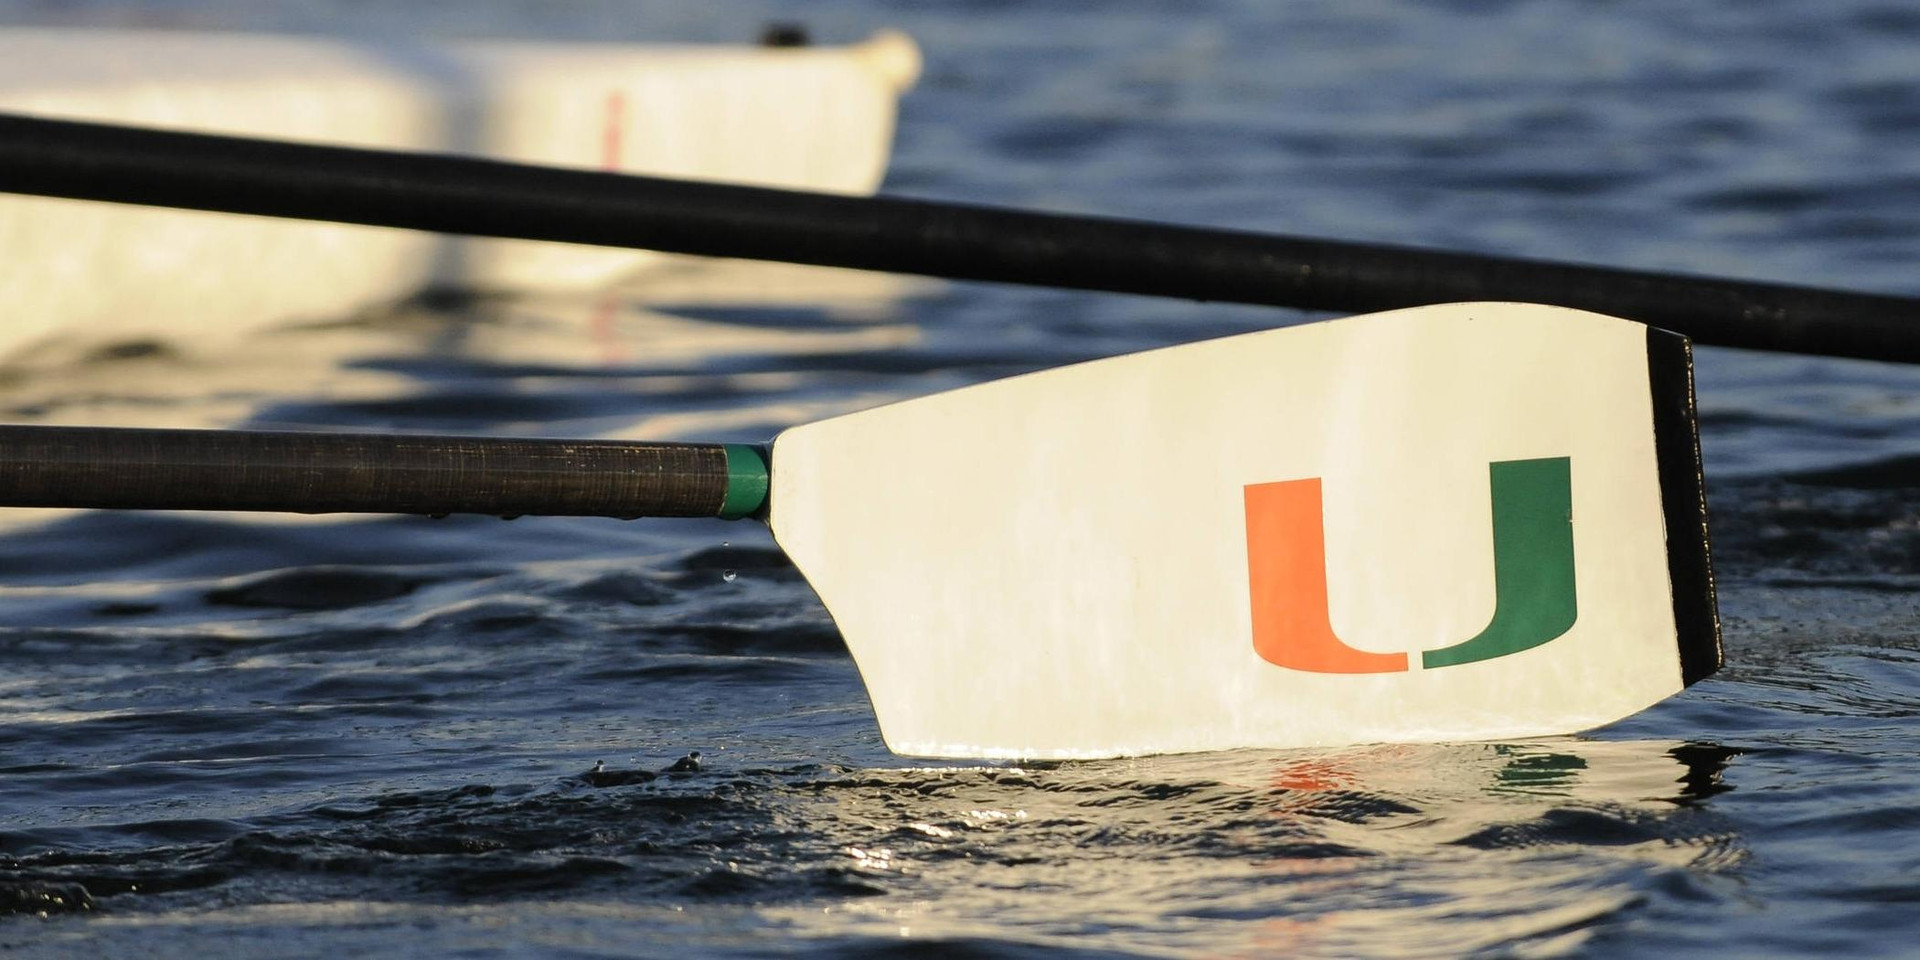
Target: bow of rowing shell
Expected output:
[816,118]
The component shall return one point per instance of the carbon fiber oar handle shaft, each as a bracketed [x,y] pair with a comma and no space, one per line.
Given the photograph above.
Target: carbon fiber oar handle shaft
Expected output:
[114,468]
[468,195]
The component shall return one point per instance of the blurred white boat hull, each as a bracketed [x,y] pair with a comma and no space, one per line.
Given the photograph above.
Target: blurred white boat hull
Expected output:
[814,118]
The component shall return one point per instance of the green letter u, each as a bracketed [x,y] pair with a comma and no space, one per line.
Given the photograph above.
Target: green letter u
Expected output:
[1533,589]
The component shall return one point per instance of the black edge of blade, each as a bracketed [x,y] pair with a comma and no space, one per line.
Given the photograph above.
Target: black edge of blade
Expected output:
[1683,498]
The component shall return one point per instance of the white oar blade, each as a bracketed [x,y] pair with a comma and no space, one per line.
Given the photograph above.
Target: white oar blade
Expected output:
[1446,523]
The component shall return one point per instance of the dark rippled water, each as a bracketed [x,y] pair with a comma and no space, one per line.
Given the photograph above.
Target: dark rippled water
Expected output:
[309,738]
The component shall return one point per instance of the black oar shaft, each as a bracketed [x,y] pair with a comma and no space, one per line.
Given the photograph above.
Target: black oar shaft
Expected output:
[489,198]
[113,468]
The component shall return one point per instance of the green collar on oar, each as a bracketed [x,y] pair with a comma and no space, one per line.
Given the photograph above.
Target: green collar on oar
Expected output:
[746,481]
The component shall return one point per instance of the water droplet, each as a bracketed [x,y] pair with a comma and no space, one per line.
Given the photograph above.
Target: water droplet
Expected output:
[730,575]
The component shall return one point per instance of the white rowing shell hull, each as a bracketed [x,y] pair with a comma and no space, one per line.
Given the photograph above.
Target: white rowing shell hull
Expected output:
[812,118]
[1070,563]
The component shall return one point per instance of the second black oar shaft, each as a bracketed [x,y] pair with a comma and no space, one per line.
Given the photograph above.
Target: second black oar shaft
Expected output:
[115,468]
[490,198]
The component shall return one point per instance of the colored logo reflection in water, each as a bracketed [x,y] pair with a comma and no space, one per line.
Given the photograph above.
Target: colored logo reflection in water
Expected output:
[1450,812]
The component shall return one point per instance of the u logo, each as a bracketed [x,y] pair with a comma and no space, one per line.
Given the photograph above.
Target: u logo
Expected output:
[1532,573]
